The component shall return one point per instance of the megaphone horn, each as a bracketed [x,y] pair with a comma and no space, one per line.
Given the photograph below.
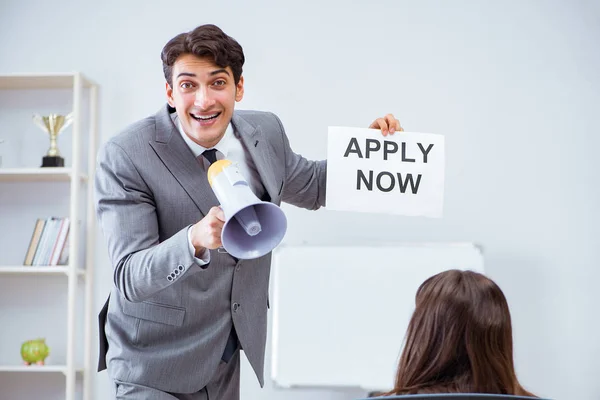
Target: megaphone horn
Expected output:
[252,227]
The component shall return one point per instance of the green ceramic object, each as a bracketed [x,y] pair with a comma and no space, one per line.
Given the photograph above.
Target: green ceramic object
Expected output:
[34,351]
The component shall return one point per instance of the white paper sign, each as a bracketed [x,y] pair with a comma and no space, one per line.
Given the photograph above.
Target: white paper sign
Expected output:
[400,174]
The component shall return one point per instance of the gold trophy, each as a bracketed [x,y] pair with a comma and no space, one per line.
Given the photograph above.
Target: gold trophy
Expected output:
[53,124]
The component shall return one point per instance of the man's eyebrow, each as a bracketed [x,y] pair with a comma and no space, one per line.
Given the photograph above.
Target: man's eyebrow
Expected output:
[186,74]
[218,71]
[212,73]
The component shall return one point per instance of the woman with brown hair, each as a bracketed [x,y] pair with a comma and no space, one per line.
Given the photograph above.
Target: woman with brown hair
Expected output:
[459,339]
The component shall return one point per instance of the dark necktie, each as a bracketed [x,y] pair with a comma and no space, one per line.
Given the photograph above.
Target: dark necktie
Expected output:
[210,155]
[232,341]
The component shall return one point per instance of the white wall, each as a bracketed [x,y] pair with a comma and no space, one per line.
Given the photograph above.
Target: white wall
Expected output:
[513,85]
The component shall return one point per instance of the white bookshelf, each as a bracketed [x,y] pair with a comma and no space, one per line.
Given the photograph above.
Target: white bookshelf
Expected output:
[74,359]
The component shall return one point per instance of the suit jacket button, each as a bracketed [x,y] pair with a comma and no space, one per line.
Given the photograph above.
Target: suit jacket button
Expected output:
[235,307]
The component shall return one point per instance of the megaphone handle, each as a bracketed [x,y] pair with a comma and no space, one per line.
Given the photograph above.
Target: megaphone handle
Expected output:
[221,249]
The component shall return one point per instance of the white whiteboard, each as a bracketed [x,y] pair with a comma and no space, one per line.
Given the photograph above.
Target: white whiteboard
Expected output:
[340,313]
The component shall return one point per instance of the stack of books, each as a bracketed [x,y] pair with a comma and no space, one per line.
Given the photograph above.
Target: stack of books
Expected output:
[49,243]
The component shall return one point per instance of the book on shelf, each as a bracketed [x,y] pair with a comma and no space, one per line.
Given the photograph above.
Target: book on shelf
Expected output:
[49,242]
[35,239]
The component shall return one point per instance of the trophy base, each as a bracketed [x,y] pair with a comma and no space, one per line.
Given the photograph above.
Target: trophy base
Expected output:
[53,161]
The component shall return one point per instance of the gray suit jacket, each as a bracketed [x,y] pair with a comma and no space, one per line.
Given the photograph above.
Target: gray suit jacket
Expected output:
[170,333]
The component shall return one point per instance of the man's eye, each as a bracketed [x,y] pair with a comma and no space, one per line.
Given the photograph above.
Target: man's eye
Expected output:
[186,85]
[220,82]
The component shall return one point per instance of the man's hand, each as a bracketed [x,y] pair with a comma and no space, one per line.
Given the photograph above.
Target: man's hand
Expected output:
[388,125]
[206,233]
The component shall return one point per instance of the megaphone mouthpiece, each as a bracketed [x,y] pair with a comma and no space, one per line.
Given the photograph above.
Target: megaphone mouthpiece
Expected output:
[216,168]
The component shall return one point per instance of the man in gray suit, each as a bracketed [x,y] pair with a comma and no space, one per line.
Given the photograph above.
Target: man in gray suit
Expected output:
[181,309]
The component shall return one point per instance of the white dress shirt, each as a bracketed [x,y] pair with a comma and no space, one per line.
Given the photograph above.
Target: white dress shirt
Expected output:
[230,147]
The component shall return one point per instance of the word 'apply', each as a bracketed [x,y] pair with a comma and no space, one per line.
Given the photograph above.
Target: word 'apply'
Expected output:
[396,174]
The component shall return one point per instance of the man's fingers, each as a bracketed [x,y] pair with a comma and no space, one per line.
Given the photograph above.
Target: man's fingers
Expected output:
[213,236]
[216,242]
[391,123]
[400,128]
[388,125]
[207,232]
[217,212]
[380,123]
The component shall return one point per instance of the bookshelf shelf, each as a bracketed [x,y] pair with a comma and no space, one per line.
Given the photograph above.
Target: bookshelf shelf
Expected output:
[38,174]
[39,270]
[42,81]
[37,368]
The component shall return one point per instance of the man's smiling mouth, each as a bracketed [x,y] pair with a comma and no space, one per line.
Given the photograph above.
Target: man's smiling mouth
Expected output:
[205,117]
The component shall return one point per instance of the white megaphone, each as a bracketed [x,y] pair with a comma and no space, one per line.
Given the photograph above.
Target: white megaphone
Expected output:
[252,227]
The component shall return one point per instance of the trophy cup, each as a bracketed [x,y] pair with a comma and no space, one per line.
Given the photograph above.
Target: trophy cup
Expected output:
[53,124]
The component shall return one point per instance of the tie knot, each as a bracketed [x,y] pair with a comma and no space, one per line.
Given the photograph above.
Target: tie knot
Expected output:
[210,155]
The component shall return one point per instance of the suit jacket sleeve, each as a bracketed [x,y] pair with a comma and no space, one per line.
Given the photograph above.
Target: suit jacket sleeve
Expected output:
[305,180]
[127,214]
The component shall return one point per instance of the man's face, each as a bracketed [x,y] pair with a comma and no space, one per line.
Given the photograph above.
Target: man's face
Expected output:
[204,96]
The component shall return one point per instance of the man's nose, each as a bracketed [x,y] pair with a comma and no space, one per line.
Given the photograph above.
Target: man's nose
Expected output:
[203,99]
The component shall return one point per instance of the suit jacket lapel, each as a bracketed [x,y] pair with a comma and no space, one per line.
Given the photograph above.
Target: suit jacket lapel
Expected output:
[181,162]
[255,144]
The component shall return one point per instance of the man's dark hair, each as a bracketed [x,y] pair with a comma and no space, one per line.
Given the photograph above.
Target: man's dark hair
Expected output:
[204,41]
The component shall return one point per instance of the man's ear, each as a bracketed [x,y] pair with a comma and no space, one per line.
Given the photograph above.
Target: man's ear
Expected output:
[239,90]
[169,92]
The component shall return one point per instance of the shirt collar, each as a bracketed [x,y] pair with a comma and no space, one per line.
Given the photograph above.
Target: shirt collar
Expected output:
[222,146]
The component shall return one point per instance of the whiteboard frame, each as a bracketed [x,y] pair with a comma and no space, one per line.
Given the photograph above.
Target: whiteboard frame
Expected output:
[283,382]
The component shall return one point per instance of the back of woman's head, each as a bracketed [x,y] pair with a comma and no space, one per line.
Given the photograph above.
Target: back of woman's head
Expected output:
[459,338]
